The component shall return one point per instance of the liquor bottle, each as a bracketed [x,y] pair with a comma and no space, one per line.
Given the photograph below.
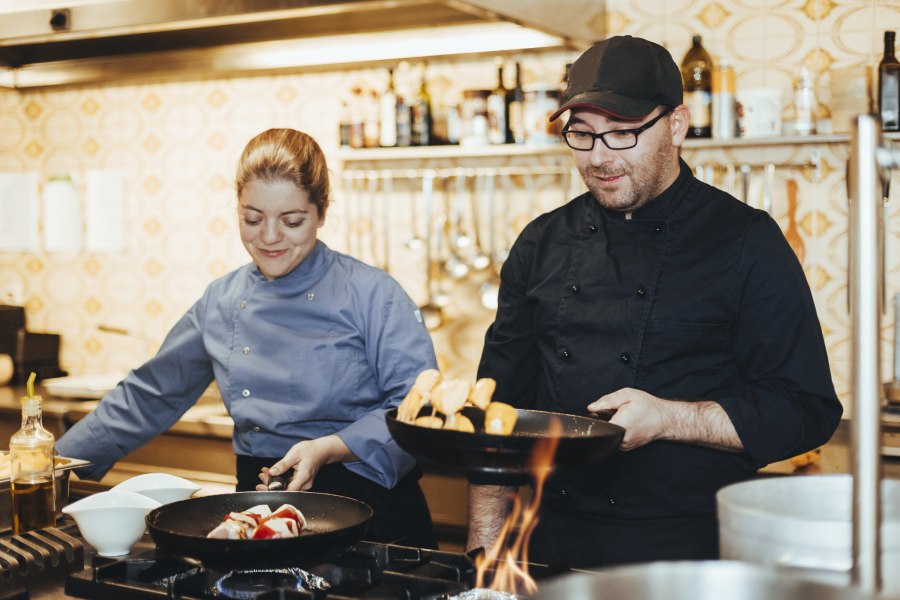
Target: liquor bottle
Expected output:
[889,86]
[696,71]
[497,108]
[724,102]
[31,469]
[804,103]
[345,123]
[387,136]
[516,110]
[371,127]
[357,119]
[420,111]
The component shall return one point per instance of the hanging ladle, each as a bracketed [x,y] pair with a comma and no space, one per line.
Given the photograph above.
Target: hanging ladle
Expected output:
[432,313]
[490,289]
[480,260]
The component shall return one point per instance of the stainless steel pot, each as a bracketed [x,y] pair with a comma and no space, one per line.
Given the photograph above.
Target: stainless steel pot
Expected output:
[64,467]
[803,524]
[691,580]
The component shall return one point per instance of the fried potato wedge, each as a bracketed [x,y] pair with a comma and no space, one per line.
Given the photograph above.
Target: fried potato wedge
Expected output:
[431,422]
[482,392]
[450,395]
[459,422]
[500,418]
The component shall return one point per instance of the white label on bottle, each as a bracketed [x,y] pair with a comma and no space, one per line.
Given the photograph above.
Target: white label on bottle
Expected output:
[496,113]
[699,104]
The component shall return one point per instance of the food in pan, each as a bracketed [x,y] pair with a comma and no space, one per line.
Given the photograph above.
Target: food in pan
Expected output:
[260,523]
[499,418]
[807,458]
[447,397]
[418,396]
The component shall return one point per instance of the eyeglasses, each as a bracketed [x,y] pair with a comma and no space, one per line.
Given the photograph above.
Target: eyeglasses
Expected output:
[617,139]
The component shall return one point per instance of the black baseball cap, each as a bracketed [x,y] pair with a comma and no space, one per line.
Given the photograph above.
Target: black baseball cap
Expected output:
[623,76]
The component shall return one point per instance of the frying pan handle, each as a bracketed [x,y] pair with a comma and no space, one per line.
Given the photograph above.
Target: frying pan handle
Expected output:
[604,415]
[276,484]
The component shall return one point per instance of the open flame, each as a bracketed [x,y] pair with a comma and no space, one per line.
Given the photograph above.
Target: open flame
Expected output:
[508,558]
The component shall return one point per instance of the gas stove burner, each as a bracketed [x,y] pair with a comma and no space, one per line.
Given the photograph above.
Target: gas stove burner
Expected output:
[483,594]
[250,584]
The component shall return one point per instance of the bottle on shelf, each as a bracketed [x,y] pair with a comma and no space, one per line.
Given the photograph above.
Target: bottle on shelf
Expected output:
[345,123]
[420,111]
[371,125]
[497,109]
[804,103]
[357,119]
[724,102]
[516,110]
[696,74]
[387,132]
[31,469]
[889,86]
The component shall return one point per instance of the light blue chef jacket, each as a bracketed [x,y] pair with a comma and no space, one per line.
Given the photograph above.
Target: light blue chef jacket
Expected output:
[326,349]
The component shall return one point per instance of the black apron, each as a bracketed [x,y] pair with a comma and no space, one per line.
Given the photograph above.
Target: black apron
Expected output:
[570,541]
[401,514]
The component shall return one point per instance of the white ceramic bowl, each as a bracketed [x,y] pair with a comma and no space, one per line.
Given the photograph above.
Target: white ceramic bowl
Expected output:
[111,522]
[162,487]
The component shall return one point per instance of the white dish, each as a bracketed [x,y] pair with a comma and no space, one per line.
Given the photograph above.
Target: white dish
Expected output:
[162,487]
[112,522]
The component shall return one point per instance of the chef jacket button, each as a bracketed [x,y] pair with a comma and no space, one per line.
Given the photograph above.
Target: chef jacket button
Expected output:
[565,354]
[592,228]
[658,229]
[612,501]
[563,492]
[246,350]
[625,357]
[243,304]
[256,428]
[641,292]
[245,393]
[574,288]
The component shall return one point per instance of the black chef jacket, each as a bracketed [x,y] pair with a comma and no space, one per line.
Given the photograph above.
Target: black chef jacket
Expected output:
[696,297]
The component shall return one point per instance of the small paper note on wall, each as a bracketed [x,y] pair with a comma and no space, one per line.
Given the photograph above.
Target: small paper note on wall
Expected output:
[19,212]
[63,231]
[105,211]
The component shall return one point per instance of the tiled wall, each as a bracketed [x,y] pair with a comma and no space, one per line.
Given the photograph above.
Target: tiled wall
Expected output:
[177,144]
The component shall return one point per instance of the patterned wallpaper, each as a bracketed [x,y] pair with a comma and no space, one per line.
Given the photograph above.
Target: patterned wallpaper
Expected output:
[177,144]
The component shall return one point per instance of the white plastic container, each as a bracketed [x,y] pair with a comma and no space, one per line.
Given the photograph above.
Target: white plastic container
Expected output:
[803,524]
[759,112]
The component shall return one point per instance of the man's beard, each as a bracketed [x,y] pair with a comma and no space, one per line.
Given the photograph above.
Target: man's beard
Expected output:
[645,181]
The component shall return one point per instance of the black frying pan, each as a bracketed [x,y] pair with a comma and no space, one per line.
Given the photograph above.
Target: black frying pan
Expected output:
[504,459]
[334,523]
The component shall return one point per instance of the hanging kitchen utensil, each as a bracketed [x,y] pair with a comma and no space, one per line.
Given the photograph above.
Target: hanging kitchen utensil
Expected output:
[415,241]
[431,311]
[488,291]
[454,265]
[479,260]
[387,194]
[348,184]
[745,183]
[372,211]
[502,253]
[730,179]
[768,187]
[334,524]
[504,459]
[792,233]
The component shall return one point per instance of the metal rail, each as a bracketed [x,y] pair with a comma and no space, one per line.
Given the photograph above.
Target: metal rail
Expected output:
[864,186]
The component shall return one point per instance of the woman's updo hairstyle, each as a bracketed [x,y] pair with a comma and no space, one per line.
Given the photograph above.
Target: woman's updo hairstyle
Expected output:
[286,155]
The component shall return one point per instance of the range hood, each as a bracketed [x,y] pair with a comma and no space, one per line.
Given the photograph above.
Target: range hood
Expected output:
[89,41]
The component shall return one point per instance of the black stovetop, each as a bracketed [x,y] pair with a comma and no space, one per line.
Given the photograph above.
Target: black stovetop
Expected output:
[369,570]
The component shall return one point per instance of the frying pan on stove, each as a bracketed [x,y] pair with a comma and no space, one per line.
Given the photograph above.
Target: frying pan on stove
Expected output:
[504,459]
[334,523]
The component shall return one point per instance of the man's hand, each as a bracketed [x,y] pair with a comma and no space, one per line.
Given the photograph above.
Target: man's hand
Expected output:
[647,418]
[306,458]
